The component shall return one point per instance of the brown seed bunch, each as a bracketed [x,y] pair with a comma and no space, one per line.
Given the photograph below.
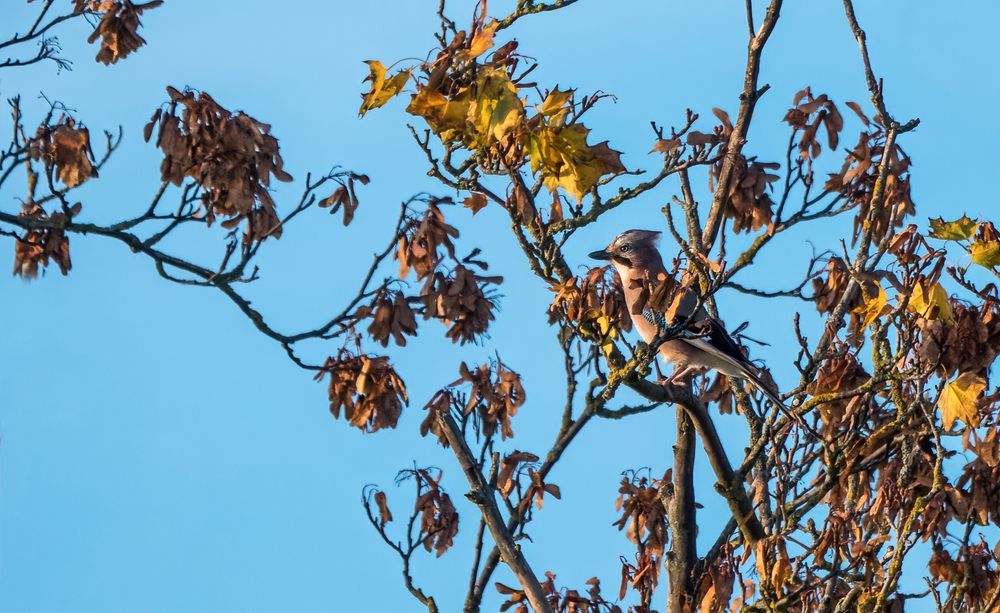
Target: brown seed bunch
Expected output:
[391,316]
[118,28]
[421,243]
[497,394]
[750,207]
[231,156]
[64,150]
[438,517]
[840,373]
[808,113]
[460,301]
[858,177]
[367,388]
[34,250]
[643,512]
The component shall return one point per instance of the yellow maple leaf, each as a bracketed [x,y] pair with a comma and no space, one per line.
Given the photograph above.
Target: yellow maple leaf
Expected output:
[872,309]
[565,160]
[555,104]
[382,90]
[960,229]
[930,302]
[498,108]
[986,253]
[958,400]
[447,117]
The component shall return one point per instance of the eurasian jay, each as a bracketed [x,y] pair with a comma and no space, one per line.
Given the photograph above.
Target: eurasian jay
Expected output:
[635,256]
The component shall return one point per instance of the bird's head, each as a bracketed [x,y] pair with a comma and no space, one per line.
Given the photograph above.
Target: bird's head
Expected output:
[632,250]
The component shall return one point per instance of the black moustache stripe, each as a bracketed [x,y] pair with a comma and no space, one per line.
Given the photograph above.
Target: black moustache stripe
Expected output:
[624,261]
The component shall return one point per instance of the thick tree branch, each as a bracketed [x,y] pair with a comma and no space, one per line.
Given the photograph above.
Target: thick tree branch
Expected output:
[483,495]
[681,518]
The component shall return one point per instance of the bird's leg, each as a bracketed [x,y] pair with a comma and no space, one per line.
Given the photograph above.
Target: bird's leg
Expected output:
[680,375]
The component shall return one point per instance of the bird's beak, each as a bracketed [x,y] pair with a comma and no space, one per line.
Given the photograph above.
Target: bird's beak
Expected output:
[601,254]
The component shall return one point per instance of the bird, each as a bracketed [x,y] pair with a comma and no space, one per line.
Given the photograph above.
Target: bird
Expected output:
[636,257]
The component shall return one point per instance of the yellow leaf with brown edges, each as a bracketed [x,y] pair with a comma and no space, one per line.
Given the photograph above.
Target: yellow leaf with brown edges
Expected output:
[930,302]
[958,400]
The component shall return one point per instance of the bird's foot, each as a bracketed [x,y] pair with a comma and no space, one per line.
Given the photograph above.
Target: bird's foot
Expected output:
[673,382]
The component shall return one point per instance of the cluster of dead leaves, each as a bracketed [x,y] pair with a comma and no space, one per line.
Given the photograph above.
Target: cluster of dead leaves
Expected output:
[391,316]
[981,476]
[749,204]
[118,28]
[36,247]
[474,102]
[976,568]
[642,576]
[968,340]
[714,588]
[495,394]
[839,373]
[65,152]
[808,113]
[344,197]
[461,301]
[593,304]
[460,298]
[438,516]
[368,389]
[642,511]
[421,242]
[560,601]
[231,156]
[858,177]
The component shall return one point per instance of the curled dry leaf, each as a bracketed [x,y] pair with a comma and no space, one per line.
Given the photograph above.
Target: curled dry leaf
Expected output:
[384,514]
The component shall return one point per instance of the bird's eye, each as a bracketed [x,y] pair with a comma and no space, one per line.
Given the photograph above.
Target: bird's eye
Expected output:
[625,248]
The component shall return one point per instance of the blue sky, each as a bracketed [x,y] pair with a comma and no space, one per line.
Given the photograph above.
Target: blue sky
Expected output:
[158,454]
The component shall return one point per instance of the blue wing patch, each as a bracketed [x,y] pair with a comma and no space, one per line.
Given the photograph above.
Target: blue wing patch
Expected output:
[657,319]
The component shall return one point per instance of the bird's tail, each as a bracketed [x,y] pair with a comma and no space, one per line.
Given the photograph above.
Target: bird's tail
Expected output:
[751,375]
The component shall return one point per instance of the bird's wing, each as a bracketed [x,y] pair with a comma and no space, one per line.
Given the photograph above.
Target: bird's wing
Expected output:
[719,344]
[723,344]
[655,318]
